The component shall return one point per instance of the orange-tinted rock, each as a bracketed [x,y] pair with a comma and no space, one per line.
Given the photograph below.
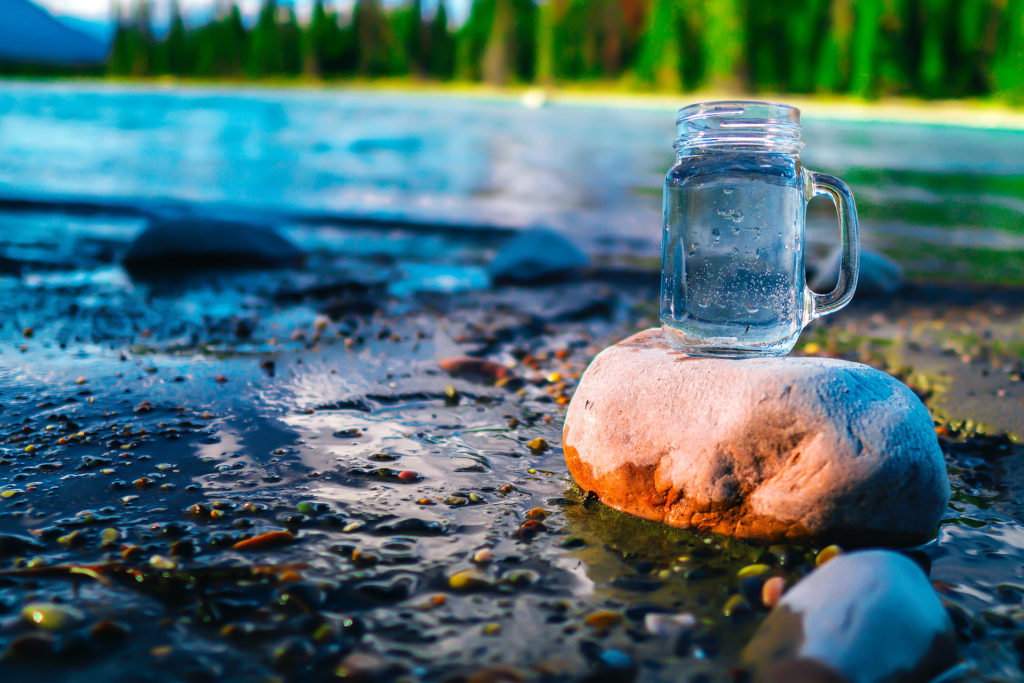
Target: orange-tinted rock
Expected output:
[268,540]
[475,369]
[792,449]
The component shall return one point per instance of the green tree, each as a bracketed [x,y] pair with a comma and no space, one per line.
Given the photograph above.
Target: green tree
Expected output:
[410,39]
[374,42]
[832,66]
[441,45]
[865,47]
[290,38]
[326,41]
[660,62]
[175,48]
[121,57]
[497,41]
[1008,68]
[266,52]
[722,43]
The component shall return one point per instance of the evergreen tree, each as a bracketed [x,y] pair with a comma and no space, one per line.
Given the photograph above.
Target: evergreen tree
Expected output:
[832,67]
[1008,69]
[121,56]
[660,62]
[326,42]
[290,38]
[865,47]
[266,54]
[497,42]
[723,43]
[374,43]
[548,16]
[441,45]
[175,49]
[408,28]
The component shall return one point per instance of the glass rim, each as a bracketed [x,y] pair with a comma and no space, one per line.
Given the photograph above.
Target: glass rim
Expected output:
[787,112]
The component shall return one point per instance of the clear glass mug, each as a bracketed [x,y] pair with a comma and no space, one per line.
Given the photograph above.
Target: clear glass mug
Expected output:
[735,206]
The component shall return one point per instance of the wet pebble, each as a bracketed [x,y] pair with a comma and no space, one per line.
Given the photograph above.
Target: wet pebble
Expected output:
[270,539]
[827,553]
[603,620]
[52,617]
[468,580]
[772,590]
[475,369]
[538,445]
[669,626]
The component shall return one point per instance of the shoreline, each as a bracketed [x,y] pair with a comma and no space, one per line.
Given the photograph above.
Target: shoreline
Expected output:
[965,113]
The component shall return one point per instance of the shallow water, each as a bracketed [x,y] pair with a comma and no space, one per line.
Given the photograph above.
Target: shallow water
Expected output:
[594,173]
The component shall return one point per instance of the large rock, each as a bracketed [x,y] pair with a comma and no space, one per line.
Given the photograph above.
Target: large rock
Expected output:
[185,244]
[866,617]
[770,448]
[879,276]
[536,254]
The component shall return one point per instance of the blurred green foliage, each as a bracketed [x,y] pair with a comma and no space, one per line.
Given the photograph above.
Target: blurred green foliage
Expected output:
[928,48]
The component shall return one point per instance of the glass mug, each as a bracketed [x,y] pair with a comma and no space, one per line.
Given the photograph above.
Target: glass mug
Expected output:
[732,261]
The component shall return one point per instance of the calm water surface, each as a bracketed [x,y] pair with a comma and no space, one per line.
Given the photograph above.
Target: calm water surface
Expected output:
[594,173]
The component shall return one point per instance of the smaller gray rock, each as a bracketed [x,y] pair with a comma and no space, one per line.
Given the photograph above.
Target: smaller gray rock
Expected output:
[879,276]
[193,244]
[865,617]
[537,254]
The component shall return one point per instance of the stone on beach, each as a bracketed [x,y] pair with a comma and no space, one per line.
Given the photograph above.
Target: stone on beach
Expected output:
[794,449]
[879,276]
[535,255]
[863,617]
[188,244]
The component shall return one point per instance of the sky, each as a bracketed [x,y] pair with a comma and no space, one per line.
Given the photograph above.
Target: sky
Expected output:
[100,10]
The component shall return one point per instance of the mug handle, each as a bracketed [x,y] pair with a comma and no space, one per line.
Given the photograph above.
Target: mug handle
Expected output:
[849,264]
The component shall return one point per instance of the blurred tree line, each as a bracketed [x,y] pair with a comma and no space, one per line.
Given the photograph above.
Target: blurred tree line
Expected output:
[931,48]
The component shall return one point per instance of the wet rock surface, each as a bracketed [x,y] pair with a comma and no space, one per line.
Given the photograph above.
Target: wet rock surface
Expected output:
[195,244]
[866,616]
[148,430]
[536,255]
[879,276]
[773,449]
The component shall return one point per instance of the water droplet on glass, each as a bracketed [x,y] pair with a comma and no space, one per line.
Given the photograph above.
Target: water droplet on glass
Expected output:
[726,190]
[734,215]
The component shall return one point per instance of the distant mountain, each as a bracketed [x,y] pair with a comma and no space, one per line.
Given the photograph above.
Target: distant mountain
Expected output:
[97,29]
[32,35]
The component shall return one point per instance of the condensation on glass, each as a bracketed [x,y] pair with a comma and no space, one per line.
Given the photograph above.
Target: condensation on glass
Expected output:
[733,244]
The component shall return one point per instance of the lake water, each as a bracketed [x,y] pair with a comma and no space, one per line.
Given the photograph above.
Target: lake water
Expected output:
[594,173]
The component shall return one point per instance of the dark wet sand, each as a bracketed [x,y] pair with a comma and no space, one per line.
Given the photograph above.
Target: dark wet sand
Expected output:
[189,417]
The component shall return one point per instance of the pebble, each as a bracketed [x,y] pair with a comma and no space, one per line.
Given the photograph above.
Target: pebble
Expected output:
[109,536]
[468,580]
[475,369]
[51,616]
[161,562]
[772,591]
[735,606]
[827,553]
[361,667]
[602,620]
[483,556]
[669,626]
[753,570]
[538,445]
[267,540]
[408,476]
